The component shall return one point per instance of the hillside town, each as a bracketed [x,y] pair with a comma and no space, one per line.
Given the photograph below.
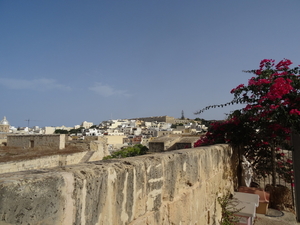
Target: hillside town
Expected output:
[120,132]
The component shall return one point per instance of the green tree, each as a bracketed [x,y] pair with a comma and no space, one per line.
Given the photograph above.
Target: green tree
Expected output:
[75,131]
[60,131]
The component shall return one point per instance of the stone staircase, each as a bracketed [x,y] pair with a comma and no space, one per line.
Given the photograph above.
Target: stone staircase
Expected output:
[87,156]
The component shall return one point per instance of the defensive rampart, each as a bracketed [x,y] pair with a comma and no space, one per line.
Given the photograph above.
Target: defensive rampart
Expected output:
[31,141]
[177,187]
[96,151]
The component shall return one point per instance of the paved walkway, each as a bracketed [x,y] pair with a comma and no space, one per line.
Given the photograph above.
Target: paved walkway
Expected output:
[287,219]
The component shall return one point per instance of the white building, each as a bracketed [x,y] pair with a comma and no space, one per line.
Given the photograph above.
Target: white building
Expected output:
[137,131]
[92,132]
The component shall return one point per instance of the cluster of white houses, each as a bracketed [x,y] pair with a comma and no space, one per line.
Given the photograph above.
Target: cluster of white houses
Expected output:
[118,133]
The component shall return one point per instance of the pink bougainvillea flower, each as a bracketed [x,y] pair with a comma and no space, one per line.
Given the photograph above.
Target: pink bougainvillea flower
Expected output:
[295,112]
[283,64]
[266,63]
[237,88]
[279,88]
[274,106]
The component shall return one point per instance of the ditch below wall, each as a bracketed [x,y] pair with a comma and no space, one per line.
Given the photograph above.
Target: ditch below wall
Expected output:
[176,187]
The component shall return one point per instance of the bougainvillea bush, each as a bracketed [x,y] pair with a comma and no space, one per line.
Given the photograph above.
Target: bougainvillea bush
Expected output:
[264,125]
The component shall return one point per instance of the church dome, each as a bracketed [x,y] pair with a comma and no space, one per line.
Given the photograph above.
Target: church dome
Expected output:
[4,121]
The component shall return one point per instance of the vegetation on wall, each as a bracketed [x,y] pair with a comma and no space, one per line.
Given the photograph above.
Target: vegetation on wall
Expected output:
[61,131]
[228,211]
[72,131]
[174,125]
[130,151]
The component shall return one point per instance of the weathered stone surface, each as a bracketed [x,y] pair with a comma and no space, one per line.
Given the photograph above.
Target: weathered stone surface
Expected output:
[178,187]
[36,198]
[31,141]
[96,153]
[164,143]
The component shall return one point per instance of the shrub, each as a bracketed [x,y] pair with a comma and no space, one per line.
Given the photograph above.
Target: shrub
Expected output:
[128,152]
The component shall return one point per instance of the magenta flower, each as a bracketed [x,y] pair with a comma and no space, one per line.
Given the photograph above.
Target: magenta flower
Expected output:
[283,64]
[295,112]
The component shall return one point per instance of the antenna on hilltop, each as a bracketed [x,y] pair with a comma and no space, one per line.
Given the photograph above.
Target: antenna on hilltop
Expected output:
[182,115]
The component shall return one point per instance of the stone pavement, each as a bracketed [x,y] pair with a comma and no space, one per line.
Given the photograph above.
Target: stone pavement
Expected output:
[288,218]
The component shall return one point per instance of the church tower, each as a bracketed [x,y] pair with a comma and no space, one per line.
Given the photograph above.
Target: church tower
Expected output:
[4,125]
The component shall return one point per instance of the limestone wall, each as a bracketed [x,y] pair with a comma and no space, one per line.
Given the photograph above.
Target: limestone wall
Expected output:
[164,143]
[115,139]
[178,187]
[31,141]
[97,152]
[41,163]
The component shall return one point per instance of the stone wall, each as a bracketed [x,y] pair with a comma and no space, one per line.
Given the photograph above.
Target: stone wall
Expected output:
[97,151]
[164,143]
[172,142]
[176,187]
[41,163]
[32,141]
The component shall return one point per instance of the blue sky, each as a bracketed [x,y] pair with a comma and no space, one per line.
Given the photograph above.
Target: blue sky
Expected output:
[64,62]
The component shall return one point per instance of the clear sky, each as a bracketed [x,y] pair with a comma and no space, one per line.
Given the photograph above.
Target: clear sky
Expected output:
[65,62]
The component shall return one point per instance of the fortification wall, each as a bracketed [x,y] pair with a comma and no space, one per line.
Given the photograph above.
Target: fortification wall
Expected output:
[41,163]
[31,141]
[167,119]
[178,187]
[96,152]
